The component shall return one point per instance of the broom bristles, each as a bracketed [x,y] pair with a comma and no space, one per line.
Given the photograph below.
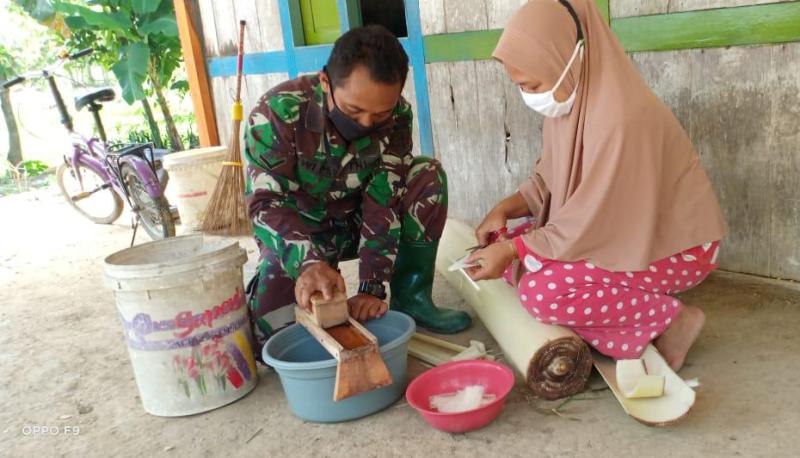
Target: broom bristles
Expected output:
[227,213]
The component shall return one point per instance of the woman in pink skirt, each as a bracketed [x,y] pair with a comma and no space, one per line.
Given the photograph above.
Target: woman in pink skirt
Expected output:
[622,214]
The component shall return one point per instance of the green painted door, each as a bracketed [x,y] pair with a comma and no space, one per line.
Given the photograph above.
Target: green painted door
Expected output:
[320,21]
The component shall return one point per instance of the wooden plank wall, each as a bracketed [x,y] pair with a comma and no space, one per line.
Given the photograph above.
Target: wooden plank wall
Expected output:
[220,25]
[739,105]
[483,133]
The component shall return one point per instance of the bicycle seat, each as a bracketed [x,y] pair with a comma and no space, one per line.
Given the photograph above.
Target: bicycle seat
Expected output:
[105,94]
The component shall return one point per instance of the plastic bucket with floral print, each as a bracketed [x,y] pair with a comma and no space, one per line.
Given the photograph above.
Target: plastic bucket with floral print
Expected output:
[182,306]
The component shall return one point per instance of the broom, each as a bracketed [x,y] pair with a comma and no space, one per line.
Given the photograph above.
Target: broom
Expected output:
[227,213]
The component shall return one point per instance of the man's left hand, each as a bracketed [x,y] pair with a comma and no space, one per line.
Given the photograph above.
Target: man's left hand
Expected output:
[365,307]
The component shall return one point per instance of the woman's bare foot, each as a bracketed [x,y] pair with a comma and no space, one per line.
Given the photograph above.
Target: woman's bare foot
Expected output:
[676,341]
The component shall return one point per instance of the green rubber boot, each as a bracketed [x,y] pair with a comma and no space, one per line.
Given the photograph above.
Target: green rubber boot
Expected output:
[412,284]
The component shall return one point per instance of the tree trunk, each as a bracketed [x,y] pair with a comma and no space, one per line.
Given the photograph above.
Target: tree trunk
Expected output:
[172,130]
[155,133]
[14,144]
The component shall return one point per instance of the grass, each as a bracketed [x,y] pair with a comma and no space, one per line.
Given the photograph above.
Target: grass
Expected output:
[9,185]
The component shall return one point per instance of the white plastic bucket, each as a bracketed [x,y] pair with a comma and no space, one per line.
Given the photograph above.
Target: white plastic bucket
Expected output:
[194,174]
[182,305]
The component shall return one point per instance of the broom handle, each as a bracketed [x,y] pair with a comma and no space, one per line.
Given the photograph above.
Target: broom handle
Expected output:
[240,62]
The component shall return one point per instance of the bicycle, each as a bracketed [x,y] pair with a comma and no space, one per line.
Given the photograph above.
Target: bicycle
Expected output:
[96,175]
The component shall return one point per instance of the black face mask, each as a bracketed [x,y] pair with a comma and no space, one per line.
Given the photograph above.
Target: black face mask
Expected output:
[348,127]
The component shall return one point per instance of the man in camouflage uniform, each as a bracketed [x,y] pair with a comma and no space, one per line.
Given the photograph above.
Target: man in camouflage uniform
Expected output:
[325,185]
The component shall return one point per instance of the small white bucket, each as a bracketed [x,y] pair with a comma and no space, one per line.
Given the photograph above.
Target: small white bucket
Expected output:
[182,305]
[194,174]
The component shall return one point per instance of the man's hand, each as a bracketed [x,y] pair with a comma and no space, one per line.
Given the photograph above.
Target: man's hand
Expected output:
[319,277]
[365,307]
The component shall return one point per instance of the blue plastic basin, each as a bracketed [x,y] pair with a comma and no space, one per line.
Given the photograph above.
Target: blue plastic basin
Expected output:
[308,372]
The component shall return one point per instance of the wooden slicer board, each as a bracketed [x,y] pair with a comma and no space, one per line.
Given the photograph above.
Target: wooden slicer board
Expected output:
[359,367]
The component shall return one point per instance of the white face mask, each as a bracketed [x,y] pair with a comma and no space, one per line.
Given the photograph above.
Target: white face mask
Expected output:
[545,102]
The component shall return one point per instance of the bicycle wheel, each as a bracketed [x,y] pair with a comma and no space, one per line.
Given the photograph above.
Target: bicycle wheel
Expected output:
[154,214]
[92,197]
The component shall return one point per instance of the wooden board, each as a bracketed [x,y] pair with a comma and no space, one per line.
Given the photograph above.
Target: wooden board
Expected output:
[330,313]
[624,8]
[359,371]
[491,130]
[199,88]
[326,340]
[745,25]
[746,138]
[359,367]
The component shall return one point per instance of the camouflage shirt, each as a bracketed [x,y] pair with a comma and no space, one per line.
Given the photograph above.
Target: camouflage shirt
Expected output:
[302,177]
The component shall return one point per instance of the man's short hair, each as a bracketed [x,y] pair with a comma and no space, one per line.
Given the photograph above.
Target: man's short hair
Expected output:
[374,47]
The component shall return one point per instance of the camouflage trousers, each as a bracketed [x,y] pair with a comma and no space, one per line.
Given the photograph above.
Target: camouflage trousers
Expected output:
[423,211]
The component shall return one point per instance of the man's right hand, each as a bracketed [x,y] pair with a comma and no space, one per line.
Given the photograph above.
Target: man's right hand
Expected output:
[319,277]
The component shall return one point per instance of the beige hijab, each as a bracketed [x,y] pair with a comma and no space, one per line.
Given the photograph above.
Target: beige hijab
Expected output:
[618,183]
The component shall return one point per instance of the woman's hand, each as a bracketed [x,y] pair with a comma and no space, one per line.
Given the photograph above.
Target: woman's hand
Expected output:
[492,260]
[494,221]
[513,206]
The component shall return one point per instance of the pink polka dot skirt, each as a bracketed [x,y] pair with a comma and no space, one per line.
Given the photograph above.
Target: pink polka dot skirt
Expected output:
[618,313]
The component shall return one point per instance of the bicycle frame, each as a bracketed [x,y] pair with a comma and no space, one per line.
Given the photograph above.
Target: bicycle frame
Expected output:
[92,152]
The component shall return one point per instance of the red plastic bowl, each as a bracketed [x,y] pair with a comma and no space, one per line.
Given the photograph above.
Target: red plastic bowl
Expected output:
[453,376]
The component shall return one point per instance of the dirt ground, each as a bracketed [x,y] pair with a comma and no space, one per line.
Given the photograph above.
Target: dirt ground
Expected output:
[64,366]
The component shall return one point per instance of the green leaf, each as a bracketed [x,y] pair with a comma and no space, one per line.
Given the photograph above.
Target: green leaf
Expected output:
[116,22]
[76,23]
[144,6]
[8,63]
[164,24]
[131,71]
[180,85]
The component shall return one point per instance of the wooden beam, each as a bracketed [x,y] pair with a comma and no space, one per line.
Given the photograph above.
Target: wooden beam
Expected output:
[744,25]
[196,74]
[454,47]
[603,6]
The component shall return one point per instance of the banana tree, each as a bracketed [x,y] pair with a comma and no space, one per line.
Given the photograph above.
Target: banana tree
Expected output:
[8,68]
[137,40]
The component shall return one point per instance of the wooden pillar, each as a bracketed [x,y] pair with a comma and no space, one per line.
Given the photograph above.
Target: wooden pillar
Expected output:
[196,74]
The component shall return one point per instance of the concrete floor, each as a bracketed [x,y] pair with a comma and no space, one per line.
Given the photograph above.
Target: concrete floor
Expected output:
[64,364]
